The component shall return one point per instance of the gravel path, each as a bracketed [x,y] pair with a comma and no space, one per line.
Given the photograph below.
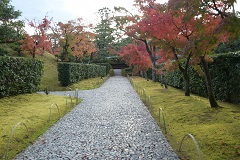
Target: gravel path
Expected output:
[110,123]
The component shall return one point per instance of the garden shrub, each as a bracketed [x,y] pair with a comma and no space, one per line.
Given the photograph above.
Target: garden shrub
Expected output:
[69,73]
[19,75]
[127,71]
[124,72]
[111,72]
[225,71]
[3,52]
[225,74]
[107,65]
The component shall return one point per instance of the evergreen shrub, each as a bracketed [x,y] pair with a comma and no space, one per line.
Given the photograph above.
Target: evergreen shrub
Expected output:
[19,75]
[225,74]
[69,73]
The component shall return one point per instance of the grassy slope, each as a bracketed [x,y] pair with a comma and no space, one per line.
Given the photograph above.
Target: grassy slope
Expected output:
[216,130]
[50,76]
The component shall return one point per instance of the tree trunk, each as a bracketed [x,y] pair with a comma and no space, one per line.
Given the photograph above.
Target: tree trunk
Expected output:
[153,59]
[153,75]
[211,96]
[91,58]
[145,75]
[184,71]
[163,80]
[34,52]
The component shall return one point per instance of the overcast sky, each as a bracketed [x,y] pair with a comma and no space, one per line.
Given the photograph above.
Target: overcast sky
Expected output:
[64,10]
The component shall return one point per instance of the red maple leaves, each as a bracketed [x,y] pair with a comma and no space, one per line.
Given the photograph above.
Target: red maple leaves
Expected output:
[39,42]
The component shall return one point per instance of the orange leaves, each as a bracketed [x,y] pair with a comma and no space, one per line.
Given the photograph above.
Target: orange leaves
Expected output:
[35,45]
[82,45]
[39,42]
[73,39]
[27,44]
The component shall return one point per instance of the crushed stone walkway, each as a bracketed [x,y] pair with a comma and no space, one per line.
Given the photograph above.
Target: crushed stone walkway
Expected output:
[110,123]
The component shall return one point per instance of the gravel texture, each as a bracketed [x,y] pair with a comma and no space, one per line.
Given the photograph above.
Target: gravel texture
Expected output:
[110,123]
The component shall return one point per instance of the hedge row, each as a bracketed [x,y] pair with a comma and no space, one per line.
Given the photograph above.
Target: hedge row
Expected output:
[107,65]
[69,73]
[225,74]
[19,75]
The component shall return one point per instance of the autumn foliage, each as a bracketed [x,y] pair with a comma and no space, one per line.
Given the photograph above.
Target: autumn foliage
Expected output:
[39,42]
[180,34]
[135,54]
[72,40]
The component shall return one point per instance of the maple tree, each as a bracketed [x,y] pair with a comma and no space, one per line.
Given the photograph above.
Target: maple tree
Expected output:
[210,29]
[130,25]
[171,35]
[72,42]
[39,42]
[183,32]
[200,32]
[135,54]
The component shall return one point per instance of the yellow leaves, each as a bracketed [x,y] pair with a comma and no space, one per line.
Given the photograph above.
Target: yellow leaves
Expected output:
[198,69]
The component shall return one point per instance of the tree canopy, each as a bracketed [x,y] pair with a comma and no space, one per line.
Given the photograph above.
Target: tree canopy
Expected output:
[104,34]
[11,29]
[72,41]
[182,33]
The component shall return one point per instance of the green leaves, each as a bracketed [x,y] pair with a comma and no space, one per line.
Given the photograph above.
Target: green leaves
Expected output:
[104,33]
[10,28]
[225,78]
[19,75]
[69,73]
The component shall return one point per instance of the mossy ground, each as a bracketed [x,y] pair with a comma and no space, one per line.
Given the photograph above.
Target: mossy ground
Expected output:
[34,111]
[217,131]
[50,75]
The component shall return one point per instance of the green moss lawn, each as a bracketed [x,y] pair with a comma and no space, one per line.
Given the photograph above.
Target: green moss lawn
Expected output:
[216,130]
[32,110]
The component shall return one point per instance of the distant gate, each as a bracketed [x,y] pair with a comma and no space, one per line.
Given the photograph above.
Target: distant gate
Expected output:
[119,66]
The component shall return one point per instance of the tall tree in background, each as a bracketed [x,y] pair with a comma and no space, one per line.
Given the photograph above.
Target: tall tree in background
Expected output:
[11,30]
[71,41]
[104,33]
[122,42]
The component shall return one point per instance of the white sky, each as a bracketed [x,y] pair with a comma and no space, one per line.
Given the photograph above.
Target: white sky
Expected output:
[64,10]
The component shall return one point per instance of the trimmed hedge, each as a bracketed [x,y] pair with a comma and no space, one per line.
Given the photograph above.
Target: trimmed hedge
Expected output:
[107,65]
[19,75]
[225,74]
[69,73]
